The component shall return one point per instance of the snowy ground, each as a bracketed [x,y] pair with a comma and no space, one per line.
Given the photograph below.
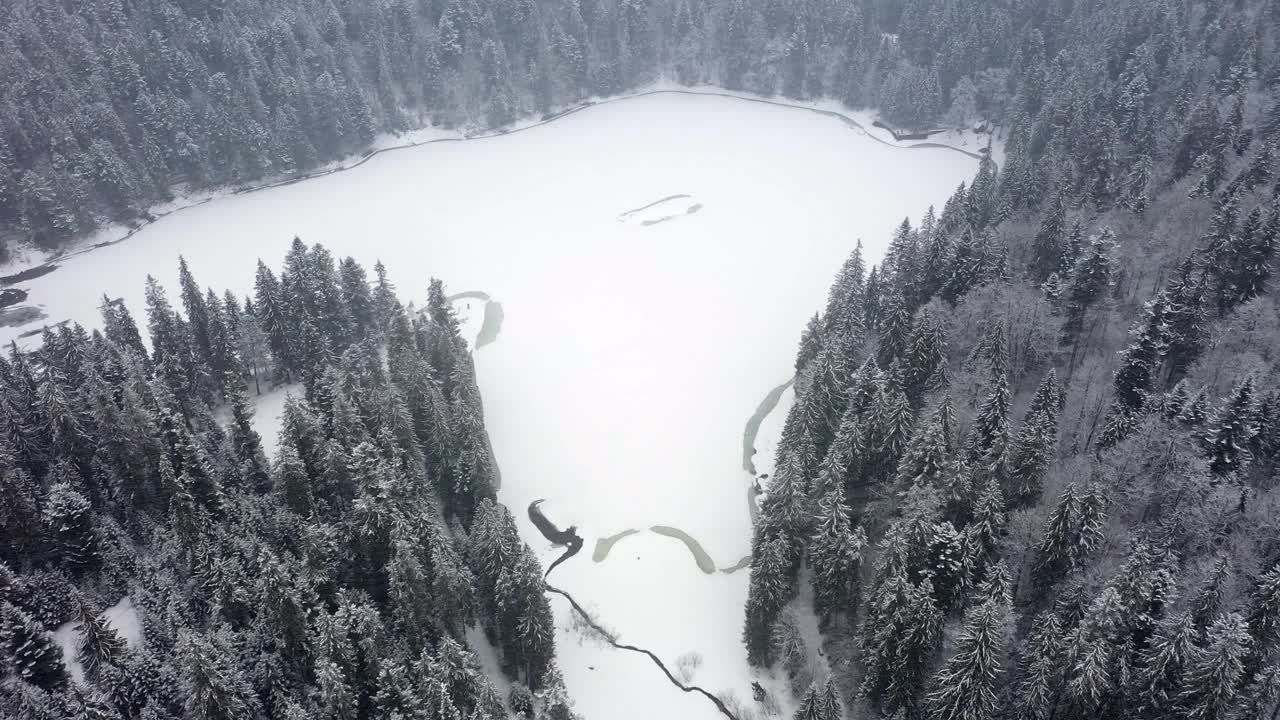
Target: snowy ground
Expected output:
[120,617]
[470,310]
[267,415]
[625,371]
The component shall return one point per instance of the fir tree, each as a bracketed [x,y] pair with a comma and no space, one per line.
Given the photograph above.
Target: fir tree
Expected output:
[246,445]
[900,634]
[270,310]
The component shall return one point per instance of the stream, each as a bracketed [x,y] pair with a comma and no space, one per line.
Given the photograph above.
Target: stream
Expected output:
[573,543]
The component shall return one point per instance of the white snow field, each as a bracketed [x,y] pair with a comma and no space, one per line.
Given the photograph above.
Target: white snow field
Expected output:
[631,355]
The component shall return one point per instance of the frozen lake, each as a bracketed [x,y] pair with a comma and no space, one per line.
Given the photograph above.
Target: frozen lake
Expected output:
[633,348]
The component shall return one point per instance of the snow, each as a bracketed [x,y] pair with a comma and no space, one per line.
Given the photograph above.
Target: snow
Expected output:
[268,412]
[121,617]
[487,655]
[67,637]
[470,311]
[629,357]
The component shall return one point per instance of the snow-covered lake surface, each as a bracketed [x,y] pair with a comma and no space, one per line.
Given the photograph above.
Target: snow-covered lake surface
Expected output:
[630,355]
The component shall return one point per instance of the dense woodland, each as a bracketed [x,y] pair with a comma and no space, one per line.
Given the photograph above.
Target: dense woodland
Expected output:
[1031,471]
[335,582]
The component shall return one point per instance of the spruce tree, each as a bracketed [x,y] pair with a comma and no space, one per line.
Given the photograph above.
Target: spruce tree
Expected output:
[928,456]
[924,358]
[988,440]
[193,303]
[272,314]
[1047,245]
[1264,611]
[835,555]
[968,685]
[1090,279]
[99,645]
[1035,445]
[1215,672]
[31,653]
[1041,668]
[900,635]
[1139,362]
[810,705]
[1071,532]
[246,445]
[69,523]
[769,590]
[1233,429]
[1164,666]
[212,686]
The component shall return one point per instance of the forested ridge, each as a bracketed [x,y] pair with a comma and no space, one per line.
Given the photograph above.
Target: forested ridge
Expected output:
[337,580]
[1031,467]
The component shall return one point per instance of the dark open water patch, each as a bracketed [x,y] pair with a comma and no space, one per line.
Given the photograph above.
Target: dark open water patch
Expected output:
[12,296]
[604,545]
[491,325]
[20,315]
[29,274]
[765,407]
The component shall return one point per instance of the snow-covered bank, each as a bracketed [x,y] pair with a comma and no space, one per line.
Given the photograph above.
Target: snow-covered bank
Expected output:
[624,371]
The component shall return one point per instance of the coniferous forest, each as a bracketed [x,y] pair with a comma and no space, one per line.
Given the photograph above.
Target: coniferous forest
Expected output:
[336,581]
[1031,469]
